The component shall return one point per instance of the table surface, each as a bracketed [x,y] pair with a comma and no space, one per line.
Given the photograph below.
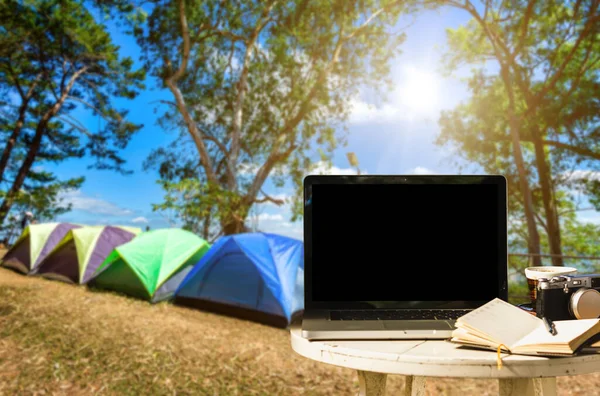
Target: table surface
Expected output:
[436,359]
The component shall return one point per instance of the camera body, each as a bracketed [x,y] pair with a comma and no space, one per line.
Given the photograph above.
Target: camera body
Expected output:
[568,297]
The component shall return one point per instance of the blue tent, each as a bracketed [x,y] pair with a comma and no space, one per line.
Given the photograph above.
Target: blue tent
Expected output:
[255,276]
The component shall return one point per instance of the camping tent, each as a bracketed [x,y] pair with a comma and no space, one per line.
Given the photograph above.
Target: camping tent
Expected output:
[34,244]
[152,265]
[82,250]
[256,276]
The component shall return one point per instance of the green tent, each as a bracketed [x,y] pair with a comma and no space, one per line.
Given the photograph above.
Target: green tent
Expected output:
[82,250]
[152,265]
[34,244]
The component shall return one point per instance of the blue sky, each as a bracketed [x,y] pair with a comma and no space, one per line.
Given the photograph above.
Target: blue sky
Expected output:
[393,137]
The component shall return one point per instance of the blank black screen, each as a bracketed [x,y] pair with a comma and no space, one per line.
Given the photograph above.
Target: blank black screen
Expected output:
[404,242]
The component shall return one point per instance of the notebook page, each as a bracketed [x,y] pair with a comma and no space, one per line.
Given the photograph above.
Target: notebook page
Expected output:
[465,336]
[500,322]
[566,331]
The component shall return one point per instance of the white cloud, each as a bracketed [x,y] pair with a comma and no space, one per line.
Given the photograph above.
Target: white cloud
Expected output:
[292,230]
[248,169]
[420,170]
[141,220]
[592,217]
[322,168]
[362,112]
[85,203]
[319,168]
[269,217]
[580,174]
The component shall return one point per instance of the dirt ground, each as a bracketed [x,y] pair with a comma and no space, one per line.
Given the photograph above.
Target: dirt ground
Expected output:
[60,339]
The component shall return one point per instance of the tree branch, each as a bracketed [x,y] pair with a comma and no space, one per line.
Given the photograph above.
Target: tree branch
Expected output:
[486,9]
[232,36]
[76,125]
[524,29]
[586,29]
[242,86]
[90,106]
[370,19]
[216,141]
[468,6]
[290,125]
[580,73]
[575,149]
[33,85]
[16,80]
[171,82]
[541,221]
[268,198]
[565,146]
[56,107]
[168,102]
[185,51]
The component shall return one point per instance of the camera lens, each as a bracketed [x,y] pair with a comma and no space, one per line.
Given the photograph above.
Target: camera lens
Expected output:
[585,303]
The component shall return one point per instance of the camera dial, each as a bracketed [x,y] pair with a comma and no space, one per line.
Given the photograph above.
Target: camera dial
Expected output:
[558,279]
[585,303]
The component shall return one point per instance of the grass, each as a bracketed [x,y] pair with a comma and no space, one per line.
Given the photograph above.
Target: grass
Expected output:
[59,339]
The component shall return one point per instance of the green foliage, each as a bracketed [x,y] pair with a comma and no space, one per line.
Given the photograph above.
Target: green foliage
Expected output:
[42,196]
[264,87]
[578,239]
[43,199]
[57,63]
[53,40]
[552,53]
[197,205]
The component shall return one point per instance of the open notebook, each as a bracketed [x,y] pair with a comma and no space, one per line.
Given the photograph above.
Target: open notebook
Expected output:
[500,323]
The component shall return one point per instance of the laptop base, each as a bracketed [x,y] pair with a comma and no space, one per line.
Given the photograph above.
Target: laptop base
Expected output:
[323,329]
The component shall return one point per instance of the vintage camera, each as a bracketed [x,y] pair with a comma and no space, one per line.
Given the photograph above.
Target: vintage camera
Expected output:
[568,297]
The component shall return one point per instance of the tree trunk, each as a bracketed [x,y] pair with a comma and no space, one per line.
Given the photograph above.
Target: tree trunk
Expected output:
[533,241]
[236,222]
[12,141]
[25,97]
[206,227]
[34,148]
[544,175]
[234,226]
[35,145]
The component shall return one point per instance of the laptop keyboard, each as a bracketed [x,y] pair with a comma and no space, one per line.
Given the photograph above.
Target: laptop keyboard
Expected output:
[399,314]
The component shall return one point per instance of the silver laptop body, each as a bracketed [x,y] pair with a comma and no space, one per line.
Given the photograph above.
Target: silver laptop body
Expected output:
[401,257]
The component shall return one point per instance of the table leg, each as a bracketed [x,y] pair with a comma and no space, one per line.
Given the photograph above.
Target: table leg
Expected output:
[414,386]
[371,384]
[528,387]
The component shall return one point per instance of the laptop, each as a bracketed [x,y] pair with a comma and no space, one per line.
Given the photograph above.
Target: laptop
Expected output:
[401,257]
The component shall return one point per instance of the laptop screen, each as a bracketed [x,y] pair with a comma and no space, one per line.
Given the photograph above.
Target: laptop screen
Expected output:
[416,244]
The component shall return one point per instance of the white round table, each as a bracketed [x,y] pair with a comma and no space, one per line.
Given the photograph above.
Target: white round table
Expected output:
[417,359]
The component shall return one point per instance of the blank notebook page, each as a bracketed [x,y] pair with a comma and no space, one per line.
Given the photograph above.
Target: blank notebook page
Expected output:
[566,331]
[501,322]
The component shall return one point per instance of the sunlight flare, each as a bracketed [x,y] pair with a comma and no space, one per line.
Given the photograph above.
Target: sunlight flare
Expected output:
[419,91]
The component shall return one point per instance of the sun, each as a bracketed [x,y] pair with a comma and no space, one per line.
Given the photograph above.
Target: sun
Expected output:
[419,91]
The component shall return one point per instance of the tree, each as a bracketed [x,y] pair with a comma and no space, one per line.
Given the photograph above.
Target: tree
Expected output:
[58,58]
[575,243]
[544,51]
[41,195]
[256,86]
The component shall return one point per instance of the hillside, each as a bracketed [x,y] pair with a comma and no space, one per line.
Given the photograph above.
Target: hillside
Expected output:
[68,340]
